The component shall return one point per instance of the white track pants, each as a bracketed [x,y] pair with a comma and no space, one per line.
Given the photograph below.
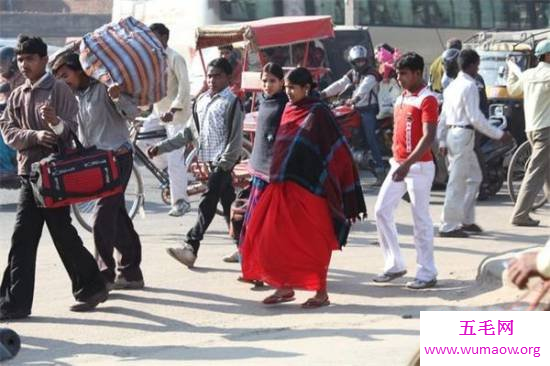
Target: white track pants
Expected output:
[418,184]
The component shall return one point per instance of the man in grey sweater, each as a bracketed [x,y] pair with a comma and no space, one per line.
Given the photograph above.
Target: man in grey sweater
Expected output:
[218,117]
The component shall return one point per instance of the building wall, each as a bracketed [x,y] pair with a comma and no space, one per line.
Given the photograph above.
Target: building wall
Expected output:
[58,6]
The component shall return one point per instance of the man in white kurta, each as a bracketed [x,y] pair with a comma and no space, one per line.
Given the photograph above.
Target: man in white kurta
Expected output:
[174,110]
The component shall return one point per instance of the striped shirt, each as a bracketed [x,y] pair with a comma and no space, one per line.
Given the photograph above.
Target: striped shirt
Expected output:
[211,112]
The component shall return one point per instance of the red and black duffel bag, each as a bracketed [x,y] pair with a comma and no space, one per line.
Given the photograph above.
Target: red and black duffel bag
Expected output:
[75,175]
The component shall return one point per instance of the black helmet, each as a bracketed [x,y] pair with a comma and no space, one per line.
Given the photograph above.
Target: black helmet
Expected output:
[8,60]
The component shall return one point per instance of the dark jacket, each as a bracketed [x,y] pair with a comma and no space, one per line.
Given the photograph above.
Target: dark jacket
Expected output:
[21,120]
[269,117]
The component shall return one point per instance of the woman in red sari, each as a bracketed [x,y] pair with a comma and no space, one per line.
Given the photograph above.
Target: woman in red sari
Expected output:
[313,197]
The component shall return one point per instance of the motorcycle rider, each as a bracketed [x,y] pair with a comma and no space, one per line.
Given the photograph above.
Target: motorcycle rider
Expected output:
[365,79]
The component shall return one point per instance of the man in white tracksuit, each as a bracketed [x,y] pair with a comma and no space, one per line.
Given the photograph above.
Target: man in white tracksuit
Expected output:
[460,118]
[175,110]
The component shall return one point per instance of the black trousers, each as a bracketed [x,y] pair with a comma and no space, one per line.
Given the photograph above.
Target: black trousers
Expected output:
[220,189]
[17,289]
[113,229]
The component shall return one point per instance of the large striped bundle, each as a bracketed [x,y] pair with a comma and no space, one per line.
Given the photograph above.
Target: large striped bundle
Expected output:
[129,54]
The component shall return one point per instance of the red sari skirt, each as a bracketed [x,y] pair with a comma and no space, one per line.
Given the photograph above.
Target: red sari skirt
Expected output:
[289,239]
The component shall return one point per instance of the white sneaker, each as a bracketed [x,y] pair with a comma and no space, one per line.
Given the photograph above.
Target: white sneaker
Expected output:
[180,208]
[234,257]
[184,255]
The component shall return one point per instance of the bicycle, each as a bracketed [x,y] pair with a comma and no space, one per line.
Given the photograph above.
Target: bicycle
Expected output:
[134,194]
[516,172]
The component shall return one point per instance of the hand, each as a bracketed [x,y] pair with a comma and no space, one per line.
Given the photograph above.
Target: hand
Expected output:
[349,102]
[401,172]
[46,138]
[443,151]
[152,151]
[507,137]
[167,117]
[520,269]
[114,91]
[47,113]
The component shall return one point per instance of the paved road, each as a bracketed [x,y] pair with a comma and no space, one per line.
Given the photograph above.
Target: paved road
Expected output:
[204,316]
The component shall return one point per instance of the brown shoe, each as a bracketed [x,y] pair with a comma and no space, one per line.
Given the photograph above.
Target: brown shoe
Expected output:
[90,303]
[526,222]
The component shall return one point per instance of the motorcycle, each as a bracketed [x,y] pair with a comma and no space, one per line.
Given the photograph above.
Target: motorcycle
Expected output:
[494,156]
[349,120]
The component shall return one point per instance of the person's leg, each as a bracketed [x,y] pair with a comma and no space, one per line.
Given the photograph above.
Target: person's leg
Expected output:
[227,196]
[535,176]
[126,241]
[83,271]
[177,171]
[207,208]
[473,184]
[419,184]
[104,231]
[368,119]
[388,199]
[17,289]
[458,142]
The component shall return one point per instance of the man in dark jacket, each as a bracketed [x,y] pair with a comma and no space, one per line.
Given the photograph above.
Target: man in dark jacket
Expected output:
[40,112]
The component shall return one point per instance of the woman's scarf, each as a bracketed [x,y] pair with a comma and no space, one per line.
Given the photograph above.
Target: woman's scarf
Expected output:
[311,151]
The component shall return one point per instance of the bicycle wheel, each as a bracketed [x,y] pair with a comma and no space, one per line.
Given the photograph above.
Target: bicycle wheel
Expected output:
[516,172]
[84,211]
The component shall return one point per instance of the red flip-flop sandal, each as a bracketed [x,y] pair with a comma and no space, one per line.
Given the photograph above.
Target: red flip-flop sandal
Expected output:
[277,299]
[315,303]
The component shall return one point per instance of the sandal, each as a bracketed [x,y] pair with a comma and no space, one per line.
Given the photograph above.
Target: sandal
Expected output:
[315,303]
[256,283]
[277,299]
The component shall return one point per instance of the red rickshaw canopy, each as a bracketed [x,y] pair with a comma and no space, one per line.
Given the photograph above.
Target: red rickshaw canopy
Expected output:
[268,32]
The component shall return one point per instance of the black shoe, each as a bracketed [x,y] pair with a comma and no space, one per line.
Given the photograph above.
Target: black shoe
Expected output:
[420,285]
[472,228]
[388,276]
[7,315]
[90,303]
[457,233]
[526,222]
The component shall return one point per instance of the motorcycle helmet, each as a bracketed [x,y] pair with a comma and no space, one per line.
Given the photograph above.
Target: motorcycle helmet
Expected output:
[542,48]
[357,53]
[8,60]
[450,62]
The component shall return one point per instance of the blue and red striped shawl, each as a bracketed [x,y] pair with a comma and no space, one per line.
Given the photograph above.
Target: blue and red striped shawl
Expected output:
[310,150]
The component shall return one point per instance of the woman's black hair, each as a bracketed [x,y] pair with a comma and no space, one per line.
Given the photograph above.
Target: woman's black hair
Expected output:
[31,45]
[410,60]
[301,76]
[71,60]
[222,64]
[274,69]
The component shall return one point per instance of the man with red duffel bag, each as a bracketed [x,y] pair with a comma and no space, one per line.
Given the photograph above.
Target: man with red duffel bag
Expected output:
[40,112]
[102,122]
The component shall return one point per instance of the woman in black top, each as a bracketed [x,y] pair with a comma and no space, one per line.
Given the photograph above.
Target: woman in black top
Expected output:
[271,108]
